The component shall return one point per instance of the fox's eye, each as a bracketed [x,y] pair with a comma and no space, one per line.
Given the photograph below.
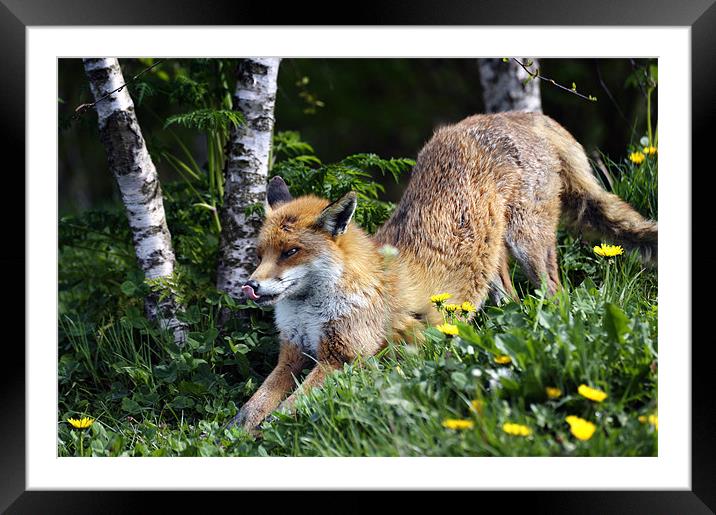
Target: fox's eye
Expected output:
[289,252]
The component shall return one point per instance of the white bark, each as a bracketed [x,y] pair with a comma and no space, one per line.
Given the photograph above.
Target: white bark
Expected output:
[246,171]
[138,183]
[503,87]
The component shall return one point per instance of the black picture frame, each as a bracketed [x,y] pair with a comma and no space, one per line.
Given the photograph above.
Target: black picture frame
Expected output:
[17,15]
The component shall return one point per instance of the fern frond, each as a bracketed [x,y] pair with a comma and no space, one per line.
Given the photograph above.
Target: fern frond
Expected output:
[206,119]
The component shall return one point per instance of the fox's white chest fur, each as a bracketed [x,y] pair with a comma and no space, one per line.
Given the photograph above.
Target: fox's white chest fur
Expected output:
[302,319]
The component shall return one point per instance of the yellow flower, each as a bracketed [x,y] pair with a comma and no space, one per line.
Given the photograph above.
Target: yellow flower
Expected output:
[447,329]
[650,151]
[605,250]
[457,423]
[516,429]
[637,157]
[591,393]
[440,297]
[580,428]
[467,307]
[553,392]
[652,419]
[477,405]
[503,360]
[451,307]
[82,423]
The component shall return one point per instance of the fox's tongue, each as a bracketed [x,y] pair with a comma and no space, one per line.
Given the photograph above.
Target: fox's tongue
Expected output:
[249,292]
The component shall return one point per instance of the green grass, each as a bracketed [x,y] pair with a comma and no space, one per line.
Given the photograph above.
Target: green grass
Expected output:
[150,398]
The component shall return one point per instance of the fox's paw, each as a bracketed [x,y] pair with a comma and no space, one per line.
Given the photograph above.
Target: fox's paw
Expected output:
[288,406]
[247,419]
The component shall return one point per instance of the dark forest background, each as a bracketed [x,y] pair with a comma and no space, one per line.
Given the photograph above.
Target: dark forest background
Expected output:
[346,106]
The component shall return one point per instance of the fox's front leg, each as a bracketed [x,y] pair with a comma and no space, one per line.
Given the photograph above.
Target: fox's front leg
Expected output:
[314,378]
[331,356]
[274,389]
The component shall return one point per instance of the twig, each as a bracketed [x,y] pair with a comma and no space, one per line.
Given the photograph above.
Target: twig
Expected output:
[536,75]
[80,109]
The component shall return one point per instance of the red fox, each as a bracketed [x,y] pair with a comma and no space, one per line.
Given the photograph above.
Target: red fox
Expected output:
[484,189]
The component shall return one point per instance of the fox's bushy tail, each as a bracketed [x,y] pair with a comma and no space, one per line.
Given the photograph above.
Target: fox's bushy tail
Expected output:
[596,213]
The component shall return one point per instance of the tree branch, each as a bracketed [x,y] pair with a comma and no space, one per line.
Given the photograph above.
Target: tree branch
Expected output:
[536,75]
[80,109]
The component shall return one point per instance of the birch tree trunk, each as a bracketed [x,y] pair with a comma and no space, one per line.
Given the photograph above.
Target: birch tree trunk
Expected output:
[246,171]
[138,183]
[503,87]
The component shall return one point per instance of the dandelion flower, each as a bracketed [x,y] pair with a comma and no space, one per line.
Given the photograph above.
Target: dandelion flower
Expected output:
[516,429]
[82,423]
[503,360]
[650,151]
[458,424]
[637,157]
[552,392]
[651,419]
[440,297]
[605,250]
[451,307]
[447,329]
[580,428]
[591,393]
[467,307]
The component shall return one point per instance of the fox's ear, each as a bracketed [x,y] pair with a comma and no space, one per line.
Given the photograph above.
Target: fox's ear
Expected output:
[276,193]
[336,217]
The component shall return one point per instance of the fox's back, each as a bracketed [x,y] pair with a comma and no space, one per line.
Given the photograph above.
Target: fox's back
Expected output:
[468,180]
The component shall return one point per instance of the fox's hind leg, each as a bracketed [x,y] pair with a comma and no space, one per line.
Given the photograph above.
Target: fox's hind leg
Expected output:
[501,288]
[487,264]
[532,240]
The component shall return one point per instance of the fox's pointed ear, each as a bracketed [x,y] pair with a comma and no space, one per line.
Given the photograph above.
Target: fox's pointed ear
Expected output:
[336,217]
[276,193]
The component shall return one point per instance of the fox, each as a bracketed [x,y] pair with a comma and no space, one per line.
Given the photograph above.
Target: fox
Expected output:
[483,191]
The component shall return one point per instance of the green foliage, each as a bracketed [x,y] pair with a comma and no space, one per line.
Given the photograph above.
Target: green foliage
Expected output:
[150,398]
[117,367]
[637,184]
[207,120]
[305,174]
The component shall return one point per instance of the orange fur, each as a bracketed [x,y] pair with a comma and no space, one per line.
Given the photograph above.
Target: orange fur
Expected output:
[483,189]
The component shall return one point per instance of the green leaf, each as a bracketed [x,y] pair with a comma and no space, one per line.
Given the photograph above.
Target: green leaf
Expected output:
[615,322]
[459,378]
[130,406]
[128,288]
[467,332]
[182,402]
[514,347]
[166,373]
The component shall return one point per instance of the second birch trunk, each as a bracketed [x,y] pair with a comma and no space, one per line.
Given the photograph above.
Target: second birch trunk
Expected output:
[246,171]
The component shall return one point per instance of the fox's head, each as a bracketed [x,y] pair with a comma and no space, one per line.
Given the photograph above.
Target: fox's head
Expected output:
[297,246]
